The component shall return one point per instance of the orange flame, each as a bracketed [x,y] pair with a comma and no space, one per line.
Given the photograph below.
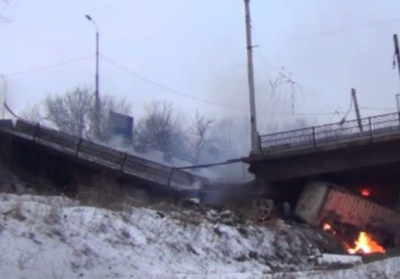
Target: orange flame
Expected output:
[366,245]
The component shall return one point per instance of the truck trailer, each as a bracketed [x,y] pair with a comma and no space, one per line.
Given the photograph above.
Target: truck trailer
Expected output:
[322,202]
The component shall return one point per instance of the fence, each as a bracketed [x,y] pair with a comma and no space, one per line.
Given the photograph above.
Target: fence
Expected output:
[330,133]
[105,156]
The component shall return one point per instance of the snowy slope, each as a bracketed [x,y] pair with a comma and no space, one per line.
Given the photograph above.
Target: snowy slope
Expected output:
[53,237]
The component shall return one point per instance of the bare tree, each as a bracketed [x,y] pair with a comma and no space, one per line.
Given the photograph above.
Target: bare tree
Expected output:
[73,112]
[160,129]
[201,135]
[33,114]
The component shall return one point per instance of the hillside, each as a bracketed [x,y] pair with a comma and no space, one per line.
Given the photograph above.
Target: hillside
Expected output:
[55,237]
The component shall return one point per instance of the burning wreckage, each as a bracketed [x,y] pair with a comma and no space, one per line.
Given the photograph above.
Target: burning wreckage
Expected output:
[361,225]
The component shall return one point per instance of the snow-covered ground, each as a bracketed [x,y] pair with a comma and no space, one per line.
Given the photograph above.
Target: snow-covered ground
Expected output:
[53,237]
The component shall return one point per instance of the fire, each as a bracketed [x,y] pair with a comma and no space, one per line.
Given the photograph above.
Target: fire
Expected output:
[327,227]
[365,192]
[366,245]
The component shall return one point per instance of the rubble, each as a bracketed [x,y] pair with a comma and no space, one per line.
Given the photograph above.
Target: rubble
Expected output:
[226,217]
[12,184]
[176,238]
[314,247]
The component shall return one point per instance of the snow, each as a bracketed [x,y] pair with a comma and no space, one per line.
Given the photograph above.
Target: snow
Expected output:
[55,237]
[332,259]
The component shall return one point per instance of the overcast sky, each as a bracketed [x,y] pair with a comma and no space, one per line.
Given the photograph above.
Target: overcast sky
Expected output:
[197,47]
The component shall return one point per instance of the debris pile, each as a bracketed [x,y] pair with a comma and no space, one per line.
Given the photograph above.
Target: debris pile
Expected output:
[12,184]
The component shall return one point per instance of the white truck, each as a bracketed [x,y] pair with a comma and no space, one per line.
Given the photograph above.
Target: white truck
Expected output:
[322,201]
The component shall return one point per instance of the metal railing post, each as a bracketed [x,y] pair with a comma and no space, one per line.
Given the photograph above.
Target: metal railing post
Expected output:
[314,137]
[36,132]
[78,147]
[370,127]
[123,162]
[398,114]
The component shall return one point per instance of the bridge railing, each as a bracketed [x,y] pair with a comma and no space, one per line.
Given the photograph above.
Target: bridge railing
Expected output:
[106,156]
[331,133]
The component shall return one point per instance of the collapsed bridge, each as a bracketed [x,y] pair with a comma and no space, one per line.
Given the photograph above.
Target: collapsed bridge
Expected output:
[60,155]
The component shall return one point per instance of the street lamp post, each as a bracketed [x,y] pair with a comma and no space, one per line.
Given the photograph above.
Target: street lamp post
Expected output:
[5,95]
[97,93]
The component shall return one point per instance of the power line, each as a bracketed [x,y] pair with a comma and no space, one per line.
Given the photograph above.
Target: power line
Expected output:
[49,66]
[208,101]
[11,111]
[337,31]
[193,97]
[173,90]
[257,45]
[167,88]
[153,83]
[227,162]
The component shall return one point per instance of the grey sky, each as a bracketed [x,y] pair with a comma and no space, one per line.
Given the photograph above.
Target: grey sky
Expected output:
[198,48]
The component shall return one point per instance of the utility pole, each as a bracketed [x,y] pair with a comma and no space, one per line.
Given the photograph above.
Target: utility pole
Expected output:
[255,148]
[354,96]
[397,54]
[398,102]
[4,95]
[97,92]
[396,51]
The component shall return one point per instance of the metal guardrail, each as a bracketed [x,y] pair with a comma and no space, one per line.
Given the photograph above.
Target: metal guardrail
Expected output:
[106,156]
[330,133]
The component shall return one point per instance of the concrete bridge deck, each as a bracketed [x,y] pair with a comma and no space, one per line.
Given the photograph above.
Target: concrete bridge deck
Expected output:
[328,149]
